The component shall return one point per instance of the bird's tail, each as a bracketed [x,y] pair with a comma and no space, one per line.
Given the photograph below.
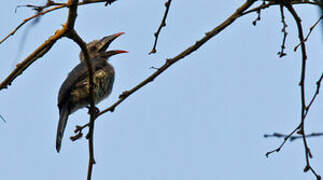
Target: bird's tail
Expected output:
[63,115]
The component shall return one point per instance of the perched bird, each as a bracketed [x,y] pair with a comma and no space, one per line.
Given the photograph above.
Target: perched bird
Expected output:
[74,92]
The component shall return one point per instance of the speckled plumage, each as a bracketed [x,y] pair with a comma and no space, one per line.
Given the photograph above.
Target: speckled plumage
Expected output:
[75,89]
[74,92]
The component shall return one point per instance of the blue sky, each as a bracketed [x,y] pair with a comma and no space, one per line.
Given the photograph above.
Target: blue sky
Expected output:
[204,118]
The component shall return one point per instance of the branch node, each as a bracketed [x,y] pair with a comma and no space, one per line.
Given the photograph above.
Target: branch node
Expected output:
[153,67]
[300,132]
[77,136]
[307,167]
[124,95]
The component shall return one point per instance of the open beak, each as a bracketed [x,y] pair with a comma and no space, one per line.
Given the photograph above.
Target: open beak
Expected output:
[110,53]
[106,41]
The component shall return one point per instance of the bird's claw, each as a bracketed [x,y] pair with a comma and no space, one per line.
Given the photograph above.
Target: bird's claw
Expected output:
[96,110]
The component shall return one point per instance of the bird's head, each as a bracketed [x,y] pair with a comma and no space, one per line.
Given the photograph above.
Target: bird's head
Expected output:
[99,47]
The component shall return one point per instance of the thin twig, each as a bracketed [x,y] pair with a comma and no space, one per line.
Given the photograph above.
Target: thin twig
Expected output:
[281,53]
[56,7]
[91,148]
[162,24]
[309,33]
[39,8]
[254,22]
[318,86]
[183,54]
[283,143]
[291,138]
[28,19]
[271,3]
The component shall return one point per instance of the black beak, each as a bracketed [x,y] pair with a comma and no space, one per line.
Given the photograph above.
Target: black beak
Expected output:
[106,41]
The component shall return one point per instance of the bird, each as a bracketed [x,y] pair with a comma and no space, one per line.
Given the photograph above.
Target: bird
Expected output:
[74,92]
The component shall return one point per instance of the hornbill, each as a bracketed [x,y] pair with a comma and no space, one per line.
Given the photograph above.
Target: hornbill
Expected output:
[74,92]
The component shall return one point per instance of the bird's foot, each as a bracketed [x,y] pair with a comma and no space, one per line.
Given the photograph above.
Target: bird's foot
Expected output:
[96,110]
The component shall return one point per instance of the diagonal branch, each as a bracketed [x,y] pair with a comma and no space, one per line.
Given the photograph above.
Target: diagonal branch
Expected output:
[318,86]
[40,51]
[309,33]
[183,54]
[169,62]
[56,7]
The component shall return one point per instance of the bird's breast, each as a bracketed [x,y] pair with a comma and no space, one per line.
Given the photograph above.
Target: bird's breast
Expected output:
[103,80]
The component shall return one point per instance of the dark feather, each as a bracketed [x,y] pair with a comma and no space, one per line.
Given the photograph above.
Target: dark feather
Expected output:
[63,115]
[78,74]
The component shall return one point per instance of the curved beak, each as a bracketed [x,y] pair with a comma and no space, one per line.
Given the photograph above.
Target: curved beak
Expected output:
[106,41]
[110,53]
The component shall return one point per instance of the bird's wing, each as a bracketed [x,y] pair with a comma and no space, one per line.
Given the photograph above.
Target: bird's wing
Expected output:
[81,89]
[79,72]
[77,77]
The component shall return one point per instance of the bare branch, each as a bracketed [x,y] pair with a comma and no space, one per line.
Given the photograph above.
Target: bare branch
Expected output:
[283,143]
[281,53]
[300,127]
[309,33]
[291,138]
[38,53]
[56,7]
[318,86]
[273,2]
[162,24]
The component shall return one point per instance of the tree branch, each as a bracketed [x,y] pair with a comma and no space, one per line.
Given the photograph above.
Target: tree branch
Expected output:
[309,33]
[169,62]
[56,7]
[291,138]
[162,24]
[273,2]
[300,128]
[72,34]
[281,53]
[38,53]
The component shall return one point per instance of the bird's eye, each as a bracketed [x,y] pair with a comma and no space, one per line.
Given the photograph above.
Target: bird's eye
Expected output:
[93,48]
